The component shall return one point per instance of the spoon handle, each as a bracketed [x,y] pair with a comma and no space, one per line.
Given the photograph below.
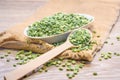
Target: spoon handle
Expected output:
[33,64]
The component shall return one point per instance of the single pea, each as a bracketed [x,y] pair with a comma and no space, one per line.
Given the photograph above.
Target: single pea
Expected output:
[105,57]
[70,76]
[115,53]
[14,65]
[81,65]
[63,65]
[40,70]
[112,43]
[100,59]
[94,32]
[46,70]
[106,42]
[98,36]
[61,69]
[118,38]
[7,60]
[59,62]
[75,72]
[68,64]
[73,62]
[19,63]
[8,51]
[95,74]
[6,55]
[20,52]
[16,58]
[2,57]
[109,53]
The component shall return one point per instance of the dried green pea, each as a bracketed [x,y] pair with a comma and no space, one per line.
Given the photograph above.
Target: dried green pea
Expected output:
[112,43]
[6,55]
[94,32]
[117,54]
[68,64]
[9,52]
[98,36]
[46,70]
[75,72]
[95,74]
[19,63]
[70,76]
[7,60]
[16,58]
[73,62]
[2,57]
[100,59]
[20,52]
[61,69]
[106,42]
[14,65]
[118,38]
[63,65]
[56,24]
[40,70]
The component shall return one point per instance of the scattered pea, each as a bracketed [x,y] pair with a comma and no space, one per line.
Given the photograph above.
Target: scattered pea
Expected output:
[98,36]
[106,42]
[61,69]
[95,74]
[81,65]
[118,38]
[70,76]
[8,51]
[6,55]
[100,59]
[7,60]
[40,70]
[46,70]
[112,43]
[94,32]
[2,57]
[14,65]
[75,72]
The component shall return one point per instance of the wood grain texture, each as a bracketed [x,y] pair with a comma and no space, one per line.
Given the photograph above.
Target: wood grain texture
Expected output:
[106,69]
[15,11]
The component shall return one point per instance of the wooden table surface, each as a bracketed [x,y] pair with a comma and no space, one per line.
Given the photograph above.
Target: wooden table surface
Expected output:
[16,11]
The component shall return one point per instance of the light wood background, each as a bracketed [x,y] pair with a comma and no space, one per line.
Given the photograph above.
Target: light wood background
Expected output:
[16,11]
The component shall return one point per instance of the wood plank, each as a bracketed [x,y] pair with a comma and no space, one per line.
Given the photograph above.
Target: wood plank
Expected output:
[15,11]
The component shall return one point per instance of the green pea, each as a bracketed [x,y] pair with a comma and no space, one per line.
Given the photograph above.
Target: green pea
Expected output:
[9,52]
[7,60]
[100,59]
[61,69]
[6,55]
[95,74]
[2,57]
[70,76]
[14,65]
[56,24]
[81,39]
[75,72]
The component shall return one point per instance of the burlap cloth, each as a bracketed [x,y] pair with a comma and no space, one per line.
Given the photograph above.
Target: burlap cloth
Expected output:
[105,13]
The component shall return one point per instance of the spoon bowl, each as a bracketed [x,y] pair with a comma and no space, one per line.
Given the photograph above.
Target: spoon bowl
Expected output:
[60,37]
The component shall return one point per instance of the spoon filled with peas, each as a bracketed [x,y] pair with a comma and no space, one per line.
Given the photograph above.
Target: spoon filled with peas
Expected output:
[78,37]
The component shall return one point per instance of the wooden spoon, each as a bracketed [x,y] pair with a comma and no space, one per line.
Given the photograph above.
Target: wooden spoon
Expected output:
[33,64]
